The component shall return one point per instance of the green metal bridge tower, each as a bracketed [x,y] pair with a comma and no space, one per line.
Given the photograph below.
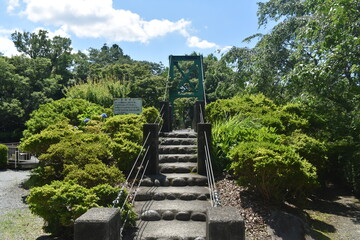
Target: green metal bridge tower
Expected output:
[183,87]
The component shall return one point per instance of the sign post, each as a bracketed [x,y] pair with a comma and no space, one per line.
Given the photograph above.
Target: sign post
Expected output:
[127,106]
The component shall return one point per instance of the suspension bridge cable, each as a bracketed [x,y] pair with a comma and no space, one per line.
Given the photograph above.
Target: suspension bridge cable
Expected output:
[133,183]
[133,199]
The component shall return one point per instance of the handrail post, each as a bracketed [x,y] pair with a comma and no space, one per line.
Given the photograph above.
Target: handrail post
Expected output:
[201,143]
[152,129]
[199,114]
[166,116]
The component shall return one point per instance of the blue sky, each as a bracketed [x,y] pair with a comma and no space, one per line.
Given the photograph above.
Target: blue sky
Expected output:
[145,29]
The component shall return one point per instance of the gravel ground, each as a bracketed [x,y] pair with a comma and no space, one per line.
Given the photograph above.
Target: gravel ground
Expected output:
[333,214]
[12,195]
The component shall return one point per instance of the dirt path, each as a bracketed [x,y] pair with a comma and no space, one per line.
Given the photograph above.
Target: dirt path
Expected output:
[11,193]
[16,220]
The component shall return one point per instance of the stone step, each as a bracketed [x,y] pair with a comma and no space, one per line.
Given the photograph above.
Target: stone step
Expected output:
[179,134]
[172,210]
[178,141]
[177,149]
[186,193]
[178,167]
[171,158]
[165,230]
[174,179]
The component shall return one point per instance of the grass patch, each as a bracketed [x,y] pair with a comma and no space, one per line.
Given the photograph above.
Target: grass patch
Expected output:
[320,226]
[20,224]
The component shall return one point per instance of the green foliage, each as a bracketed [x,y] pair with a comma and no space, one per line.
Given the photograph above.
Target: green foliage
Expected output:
[125,127]
[248,104]
[3,156]
[93,174]
[125,154]
[260,109]
[40,142]
[61,203]
[310,149]
[100,92]
[75,110]
[227,135]
[274,170]
[151,114]
[78,149]
[261,143]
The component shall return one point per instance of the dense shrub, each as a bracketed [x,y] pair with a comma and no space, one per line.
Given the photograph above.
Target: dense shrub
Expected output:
[312,150]
[248,104]
[259,109]
[125,154]
[228,134]
[93,174]
[151,115]
[61,203]
[274,170]
[3,156]
[78,149]
[75,110]
[125,127]
[40,142]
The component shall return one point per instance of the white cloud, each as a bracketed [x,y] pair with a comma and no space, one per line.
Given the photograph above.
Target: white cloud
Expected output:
[196,42]
[7,47]
[94,18]
[60,32]
[12,4]
[98,19]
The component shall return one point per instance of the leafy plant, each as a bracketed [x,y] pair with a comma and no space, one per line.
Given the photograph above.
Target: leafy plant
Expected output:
[3,156]
[61,203]
[276,171]
[40,142]
[93,174]
[72,109]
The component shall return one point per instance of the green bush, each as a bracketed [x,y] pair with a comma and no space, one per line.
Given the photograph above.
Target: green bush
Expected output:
[274,170]
[61,203]
[245,105]
[228,134]
[78,149]
[125,127]
[151,115]
[3,156]
[125,154]
[312,150]
[40,142]
[75,110]
[93,174]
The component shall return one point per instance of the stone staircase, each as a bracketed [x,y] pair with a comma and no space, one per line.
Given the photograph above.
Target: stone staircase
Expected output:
[172,205]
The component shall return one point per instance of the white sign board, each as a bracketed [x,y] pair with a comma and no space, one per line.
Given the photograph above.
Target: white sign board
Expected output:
[127,105]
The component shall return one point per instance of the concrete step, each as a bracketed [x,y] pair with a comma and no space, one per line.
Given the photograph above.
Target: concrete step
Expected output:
[165,230]
[186,193]
[170,158]
[178,141]
[177,149]
[172,210]
[178,167]
[174,179]
[179,134]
